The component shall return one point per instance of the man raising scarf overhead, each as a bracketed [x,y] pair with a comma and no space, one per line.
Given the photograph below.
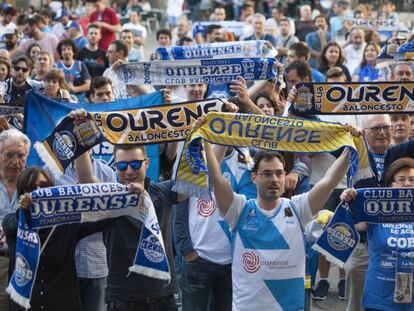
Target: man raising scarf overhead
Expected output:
[268,267]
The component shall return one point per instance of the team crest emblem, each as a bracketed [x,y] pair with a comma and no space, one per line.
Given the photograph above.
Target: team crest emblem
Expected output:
[64,145]
[304,100]
[341,237]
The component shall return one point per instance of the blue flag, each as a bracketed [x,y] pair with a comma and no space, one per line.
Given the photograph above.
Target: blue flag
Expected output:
[43,114]
[372,205]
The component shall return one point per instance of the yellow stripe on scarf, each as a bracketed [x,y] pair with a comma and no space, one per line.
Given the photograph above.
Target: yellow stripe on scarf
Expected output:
[265,132]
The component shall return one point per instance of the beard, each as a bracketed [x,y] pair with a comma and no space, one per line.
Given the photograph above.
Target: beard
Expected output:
[10,45]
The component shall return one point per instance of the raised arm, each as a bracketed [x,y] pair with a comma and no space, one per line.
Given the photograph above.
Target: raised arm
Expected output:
[323,189]
[83,164]
[222,190]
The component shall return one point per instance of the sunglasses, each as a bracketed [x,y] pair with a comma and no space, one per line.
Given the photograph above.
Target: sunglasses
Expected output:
[18,68]
[134,164]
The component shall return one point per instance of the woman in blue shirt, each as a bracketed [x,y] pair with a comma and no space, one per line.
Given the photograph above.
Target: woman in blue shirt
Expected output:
[366,71]
[391,249]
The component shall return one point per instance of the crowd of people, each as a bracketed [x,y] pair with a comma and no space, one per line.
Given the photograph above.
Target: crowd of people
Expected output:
[262,199]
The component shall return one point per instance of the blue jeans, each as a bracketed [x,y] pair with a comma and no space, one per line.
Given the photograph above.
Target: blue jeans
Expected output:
[204,282]
[92,294]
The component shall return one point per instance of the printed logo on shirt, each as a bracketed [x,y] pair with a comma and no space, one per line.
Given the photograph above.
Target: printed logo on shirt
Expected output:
[152,249]
[64,145]
[205,208]
[227,176]
[251,262]
[341,236]
[23,273]
[387,262]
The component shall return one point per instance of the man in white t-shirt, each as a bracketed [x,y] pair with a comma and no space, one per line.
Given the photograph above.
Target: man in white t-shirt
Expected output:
[268,266]
[139,31]
[6,24]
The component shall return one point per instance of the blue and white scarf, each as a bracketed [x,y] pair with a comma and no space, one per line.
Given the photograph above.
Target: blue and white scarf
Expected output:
[372,205]
[196,71]
[78,204]
[220,50]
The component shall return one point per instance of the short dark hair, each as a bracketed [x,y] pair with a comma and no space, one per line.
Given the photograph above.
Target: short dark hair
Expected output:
[164,32]
[31,21]
[98,82]
[395,167]
[247,5]
[318,17]
[127,147]
[285,19]
[300,49]
[120,46]
[265,155]
[67,42]
[24,59]
[127,31]
[9,11]
[210,28]
[20,21]
[185,39]
[303,70]
[46,11]
[93,26]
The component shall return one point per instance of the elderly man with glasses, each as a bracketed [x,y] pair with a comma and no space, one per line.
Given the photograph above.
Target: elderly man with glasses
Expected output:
[14,148]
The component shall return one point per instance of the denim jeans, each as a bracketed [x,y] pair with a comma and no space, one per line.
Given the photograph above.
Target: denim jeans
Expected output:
[166,303]
[92,294]
[206,286]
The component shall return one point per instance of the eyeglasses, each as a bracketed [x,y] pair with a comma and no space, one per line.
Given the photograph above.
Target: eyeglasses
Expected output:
[134,164]
[401,181]
[11,155]
[18,68]
[269,174]
[377,129]
[42,184]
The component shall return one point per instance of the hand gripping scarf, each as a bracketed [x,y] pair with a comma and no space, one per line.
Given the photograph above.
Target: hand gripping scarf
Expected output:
[79,204]
[266,132]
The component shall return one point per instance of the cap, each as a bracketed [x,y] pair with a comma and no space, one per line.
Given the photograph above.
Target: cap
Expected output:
[10,31]
[73,24]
